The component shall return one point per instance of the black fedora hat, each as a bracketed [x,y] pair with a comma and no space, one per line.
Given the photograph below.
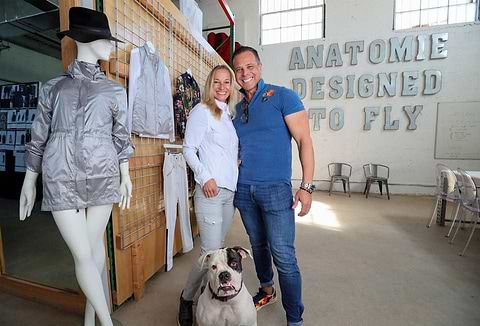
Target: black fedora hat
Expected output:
[87,25]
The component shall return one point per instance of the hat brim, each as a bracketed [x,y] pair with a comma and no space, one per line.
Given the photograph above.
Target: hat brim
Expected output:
[86,36]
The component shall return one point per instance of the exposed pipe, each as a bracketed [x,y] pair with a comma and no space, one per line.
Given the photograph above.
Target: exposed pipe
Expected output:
[215,28]
[43,5]
[29,28]
[227,11]
[231,19]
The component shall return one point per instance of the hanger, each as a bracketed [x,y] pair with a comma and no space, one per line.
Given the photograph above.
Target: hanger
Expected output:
[150,47]
[189,71]
[170,147]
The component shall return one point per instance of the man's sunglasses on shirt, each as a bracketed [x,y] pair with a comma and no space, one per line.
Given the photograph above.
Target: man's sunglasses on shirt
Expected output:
[244,116]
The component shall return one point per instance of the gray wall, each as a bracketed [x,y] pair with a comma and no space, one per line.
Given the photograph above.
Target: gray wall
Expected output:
[18,65]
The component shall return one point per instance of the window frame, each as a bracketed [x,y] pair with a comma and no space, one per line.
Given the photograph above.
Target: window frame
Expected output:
[476,21]
[324,6]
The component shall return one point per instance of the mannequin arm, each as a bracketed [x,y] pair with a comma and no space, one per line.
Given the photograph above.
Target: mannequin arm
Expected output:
[28,194]
[125,186]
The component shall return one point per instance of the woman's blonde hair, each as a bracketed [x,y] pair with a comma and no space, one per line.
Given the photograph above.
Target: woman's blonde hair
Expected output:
[209,98]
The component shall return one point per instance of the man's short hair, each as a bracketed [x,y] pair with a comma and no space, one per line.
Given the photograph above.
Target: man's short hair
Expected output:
[243,49]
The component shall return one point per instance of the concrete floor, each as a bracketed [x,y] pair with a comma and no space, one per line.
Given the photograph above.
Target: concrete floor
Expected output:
[364,262]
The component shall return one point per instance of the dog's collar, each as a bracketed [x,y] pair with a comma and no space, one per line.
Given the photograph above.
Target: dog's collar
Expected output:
[226,298]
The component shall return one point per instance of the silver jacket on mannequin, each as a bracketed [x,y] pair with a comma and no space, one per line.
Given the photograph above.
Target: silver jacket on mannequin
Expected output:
[79,137]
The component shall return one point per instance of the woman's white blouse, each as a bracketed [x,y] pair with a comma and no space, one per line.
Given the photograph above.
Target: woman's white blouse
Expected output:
[210,146]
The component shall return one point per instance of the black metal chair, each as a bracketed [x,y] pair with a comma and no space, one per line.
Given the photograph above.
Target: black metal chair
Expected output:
[376,173]
[342,172]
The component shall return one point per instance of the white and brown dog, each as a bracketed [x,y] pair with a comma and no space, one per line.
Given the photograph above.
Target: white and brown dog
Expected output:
[225,300]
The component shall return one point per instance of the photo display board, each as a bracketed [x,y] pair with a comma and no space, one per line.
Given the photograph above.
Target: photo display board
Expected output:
[18,107]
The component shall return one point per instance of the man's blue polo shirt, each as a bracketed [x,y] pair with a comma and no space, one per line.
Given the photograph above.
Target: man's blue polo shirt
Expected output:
[265,144]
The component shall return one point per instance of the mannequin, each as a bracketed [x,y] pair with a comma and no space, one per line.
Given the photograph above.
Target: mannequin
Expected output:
[82,225]
[83,230]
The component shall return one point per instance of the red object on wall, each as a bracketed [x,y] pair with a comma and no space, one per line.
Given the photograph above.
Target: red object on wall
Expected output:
[221,43]
[211,39]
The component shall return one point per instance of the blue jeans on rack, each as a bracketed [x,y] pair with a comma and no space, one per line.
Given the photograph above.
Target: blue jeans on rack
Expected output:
[269,220]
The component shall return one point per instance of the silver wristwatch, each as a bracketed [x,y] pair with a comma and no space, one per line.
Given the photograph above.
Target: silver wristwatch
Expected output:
[308,187]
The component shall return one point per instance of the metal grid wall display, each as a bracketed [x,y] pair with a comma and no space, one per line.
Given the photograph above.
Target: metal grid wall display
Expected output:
[136,22]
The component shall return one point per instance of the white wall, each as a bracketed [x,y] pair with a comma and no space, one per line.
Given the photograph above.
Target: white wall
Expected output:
[245,16]
[409,153]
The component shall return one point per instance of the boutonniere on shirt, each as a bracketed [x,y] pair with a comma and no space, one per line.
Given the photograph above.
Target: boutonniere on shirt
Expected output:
[268,93]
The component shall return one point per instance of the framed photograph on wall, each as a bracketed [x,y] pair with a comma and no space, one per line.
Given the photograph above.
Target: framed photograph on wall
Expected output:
[18,108]
[10,139]
[20,137]
[3,119]
[19,96]
[2,160]
[22,116]
[32,112]
[3,139]
[20,161]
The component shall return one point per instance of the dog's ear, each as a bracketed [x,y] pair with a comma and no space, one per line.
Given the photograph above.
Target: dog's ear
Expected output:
[242,251]
[203,260]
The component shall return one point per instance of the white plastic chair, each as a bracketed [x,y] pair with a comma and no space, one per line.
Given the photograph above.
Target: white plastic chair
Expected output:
[470,203]
[447,189]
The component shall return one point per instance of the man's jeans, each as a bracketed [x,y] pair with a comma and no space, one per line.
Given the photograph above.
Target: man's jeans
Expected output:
[269,219]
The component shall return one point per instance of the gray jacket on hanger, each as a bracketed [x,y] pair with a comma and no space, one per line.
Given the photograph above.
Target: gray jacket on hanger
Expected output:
[151,96]
[79,137]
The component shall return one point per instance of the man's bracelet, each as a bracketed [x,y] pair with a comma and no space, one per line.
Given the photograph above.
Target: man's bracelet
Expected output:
[308,187]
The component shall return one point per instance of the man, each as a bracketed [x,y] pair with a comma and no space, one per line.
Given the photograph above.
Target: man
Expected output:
[267,118]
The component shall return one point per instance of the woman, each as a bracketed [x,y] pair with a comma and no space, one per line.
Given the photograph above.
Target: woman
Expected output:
[211,151]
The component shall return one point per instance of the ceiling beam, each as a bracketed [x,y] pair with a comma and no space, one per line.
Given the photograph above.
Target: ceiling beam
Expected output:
[227,11]
[43,5]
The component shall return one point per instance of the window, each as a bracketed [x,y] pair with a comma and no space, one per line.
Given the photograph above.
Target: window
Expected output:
[291,20]
[422,13]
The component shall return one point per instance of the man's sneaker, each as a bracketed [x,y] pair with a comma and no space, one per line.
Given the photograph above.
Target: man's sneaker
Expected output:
[262,299]
[185,312]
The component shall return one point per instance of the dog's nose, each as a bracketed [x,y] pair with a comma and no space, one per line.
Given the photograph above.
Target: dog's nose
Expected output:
[224,276]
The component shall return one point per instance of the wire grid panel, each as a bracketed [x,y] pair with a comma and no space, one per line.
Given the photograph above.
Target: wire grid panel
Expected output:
[136,22]
[146,210]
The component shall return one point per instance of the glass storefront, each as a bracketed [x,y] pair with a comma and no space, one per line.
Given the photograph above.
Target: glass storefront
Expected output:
[30,54]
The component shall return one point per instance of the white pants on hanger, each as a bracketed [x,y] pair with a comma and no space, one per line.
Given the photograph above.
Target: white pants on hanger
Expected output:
[175,190]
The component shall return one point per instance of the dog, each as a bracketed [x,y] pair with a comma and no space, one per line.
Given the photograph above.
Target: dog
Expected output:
[225,300]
